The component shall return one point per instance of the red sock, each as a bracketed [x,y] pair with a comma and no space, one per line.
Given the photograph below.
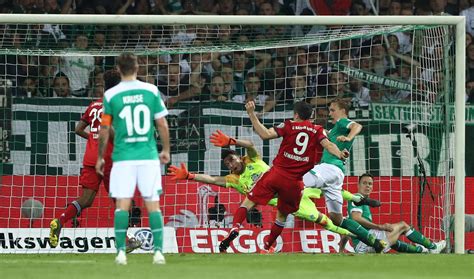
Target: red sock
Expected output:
[70,212]
[277,227]
[239,216]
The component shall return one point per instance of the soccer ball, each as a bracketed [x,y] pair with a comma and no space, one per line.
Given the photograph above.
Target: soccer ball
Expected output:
[32,209]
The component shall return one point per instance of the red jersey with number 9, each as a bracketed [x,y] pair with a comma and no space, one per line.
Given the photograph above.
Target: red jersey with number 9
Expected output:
[92,116]
[300,149]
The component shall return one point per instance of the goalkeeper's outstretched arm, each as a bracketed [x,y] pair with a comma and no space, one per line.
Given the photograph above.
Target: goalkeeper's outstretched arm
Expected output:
[182,173]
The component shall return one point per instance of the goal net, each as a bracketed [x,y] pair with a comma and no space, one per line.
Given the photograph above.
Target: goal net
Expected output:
[399,79]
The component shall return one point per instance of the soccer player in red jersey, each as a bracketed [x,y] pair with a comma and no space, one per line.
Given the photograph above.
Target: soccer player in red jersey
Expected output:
[300,149]
[89,179]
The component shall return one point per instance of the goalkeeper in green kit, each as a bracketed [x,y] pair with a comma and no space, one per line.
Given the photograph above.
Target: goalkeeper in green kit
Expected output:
[246,170]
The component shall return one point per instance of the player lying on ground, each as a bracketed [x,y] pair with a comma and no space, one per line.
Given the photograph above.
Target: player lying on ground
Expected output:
[299,150]
[247,169]
[388,232]
[329,174]
[89,179]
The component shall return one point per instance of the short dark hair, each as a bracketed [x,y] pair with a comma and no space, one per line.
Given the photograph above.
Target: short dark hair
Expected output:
[303,109]
[366,174]
[127,63]
[342,104]
[111,78]
[60,75]
[227,152]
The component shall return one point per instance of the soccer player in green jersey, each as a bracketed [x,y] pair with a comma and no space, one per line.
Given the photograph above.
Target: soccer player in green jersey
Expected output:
[246,170]
[388,232]
[130,108]
[328,175]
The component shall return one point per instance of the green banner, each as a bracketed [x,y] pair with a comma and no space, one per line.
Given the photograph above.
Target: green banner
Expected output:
[42,139]
[372,78]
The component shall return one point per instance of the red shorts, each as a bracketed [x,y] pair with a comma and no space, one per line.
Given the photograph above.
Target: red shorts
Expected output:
[271,184]
[91,180]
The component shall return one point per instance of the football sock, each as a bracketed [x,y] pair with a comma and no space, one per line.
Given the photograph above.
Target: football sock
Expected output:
[156,225]
[404,247]
[346,195]
[276,230]
[120,226]
[417,237]
[329,225]
[73,209]
[361,233]
[240,216]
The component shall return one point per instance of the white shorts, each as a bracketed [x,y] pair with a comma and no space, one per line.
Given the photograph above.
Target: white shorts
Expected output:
[363,248]
[126,175]
[329,179]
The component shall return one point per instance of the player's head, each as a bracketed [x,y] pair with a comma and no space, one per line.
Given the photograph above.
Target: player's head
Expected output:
[111,78]
[127,64]
[302,110]
[232,161]
[338,109]
[366,184]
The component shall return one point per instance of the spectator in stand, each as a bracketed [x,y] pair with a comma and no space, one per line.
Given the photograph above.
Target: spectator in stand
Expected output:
[78,67]
[227,73]
[395,7]
[217,90]
[359,8]
[438,7]
[28,88]
[266,8]
[336,88]
[361,95]
[252,91]
[48,69]
[225,7]
[322,116]
[470,62]
[61,86]
[470,91]
[469,14]
[376,93]
[177,88]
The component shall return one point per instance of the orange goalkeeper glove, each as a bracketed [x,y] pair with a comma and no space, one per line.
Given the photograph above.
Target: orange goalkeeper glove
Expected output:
[218,138]
[180,173]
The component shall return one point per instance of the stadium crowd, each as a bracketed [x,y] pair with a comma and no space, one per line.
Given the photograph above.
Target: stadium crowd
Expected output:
[270,77]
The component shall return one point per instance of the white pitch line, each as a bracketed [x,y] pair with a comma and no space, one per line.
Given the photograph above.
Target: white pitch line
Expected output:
[45,262]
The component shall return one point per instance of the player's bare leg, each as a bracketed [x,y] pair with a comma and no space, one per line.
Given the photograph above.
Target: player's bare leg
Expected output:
[74,209]
[239,217]
[156,226]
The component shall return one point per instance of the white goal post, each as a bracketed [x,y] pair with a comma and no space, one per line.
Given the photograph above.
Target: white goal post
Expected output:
[460,54]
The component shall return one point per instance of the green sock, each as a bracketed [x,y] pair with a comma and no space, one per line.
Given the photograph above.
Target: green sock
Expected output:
[417,237]
[404,247]
[120,226]
[156,225]
[329,225]
[361,233]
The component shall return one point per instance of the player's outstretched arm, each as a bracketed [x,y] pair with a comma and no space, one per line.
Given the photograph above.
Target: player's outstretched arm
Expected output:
[182,173]
[162,126]
[218,138]
[354,129]
[334,150]
[261,130]
[80,129]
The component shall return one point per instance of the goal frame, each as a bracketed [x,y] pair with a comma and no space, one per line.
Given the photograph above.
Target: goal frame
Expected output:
[460,53]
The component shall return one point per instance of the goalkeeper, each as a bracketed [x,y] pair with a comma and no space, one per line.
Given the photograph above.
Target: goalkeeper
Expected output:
[246,170]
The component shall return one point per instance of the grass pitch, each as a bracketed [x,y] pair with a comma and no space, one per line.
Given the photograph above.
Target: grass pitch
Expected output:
[226,266]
